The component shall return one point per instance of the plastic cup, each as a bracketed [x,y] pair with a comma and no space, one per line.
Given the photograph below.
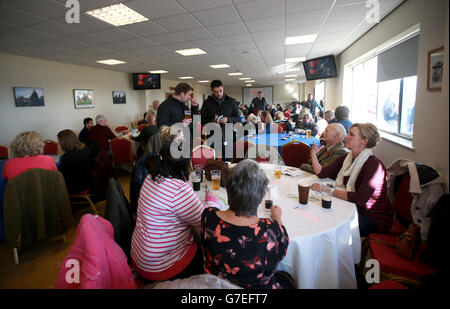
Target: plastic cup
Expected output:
[277,170]
[215,178]
[303,191]
[326,195]
[308,133]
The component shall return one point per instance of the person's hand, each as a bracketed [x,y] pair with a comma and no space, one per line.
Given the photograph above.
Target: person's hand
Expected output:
[224,120]
[315,149]
[215,118]
[315,187]
[275,212]
[187,121]
[194,102]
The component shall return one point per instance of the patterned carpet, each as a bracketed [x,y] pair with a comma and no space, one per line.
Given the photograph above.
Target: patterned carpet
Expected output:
[39,265]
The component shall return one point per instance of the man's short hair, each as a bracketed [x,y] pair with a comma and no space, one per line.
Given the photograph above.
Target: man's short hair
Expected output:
[216,83]
[86,121]
[341,112]
[183,88]
[260,91]
[329,113]
[99,118]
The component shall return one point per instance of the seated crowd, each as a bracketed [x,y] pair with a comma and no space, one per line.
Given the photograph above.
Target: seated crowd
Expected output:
[177,235]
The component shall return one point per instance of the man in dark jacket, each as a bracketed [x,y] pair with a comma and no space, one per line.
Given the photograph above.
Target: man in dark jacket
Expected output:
[220,108]
[312,104]
[172,110]
[84,133]
[259,102]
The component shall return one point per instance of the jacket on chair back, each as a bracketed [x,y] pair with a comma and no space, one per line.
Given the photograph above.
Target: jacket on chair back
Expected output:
[36,206]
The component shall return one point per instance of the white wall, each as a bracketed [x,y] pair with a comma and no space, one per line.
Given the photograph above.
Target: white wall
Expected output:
[431,133]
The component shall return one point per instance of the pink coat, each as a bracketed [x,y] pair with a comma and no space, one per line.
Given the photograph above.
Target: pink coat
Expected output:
[102,263]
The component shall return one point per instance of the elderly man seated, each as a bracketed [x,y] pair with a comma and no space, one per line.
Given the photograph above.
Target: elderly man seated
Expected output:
[101,133]
[332,137]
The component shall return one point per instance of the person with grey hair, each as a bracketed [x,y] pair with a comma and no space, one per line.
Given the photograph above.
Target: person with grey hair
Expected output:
[329,116]
[249,247]
[101,133]
[331,149]
[306,122]
[342,113]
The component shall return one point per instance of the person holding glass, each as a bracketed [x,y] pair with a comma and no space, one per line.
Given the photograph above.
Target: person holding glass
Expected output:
[360,179]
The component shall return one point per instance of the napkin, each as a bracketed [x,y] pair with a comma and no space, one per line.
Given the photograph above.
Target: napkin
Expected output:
[307,215]
[291,171]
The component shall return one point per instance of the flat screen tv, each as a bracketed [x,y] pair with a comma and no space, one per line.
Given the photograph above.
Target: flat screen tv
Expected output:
[144,81]
[320,68]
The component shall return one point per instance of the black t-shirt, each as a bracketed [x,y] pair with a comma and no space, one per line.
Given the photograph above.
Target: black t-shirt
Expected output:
[75,167]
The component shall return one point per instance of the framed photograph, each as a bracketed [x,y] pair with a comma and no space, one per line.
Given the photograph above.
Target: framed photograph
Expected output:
[26,96]
[83,98]
[435,69]
[119,97]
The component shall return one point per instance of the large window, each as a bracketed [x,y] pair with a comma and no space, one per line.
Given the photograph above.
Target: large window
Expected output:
[380,91]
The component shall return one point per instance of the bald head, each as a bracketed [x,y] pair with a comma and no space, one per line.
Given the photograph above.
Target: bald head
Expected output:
[334,133]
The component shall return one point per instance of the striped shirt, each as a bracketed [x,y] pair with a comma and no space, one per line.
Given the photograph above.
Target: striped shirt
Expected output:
[162,244]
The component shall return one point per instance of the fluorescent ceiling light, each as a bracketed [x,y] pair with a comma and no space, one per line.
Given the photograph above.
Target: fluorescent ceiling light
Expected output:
[185,77]
[292,40]
[191,52]
[250,81]
[110,61]
[292,75]
[204,81]
[244,78]
[248,85]
[289,79]
[117,15]
[234,74]
[219,66]
[296,59]
[293,70]
[158,72]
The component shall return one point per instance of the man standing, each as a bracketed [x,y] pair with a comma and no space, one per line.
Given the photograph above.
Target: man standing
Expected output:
[154,108]
[312,104]
[84,133]
[220,108]
[259,103]
[172,110]
[333,137]
[101,133]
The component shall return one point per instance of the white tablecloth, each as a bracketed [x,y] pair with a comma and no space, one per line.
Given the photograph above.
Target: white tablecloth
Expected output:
[324,244]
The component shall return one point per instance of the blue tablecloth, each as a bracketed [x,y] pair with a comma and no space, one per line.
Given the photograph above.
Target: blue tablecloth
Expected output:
[276,140]
[2,192]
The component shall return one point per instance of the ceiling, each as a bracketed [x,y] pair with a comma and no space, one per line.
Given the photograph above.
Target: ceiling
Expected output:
[248,35]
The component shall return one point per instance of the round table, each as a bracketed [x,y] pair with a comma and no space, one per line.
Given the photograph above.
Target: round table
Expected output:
[324,244]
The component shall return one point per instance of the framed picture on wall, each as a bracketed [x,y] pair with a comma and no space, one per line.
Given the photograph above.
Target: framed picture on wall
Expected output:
[28,96]
[119,97]
[83,98]
[435,69]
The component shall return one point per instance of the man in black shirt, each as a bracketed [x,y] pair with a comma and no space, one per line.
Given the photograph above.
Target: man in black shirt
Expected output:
[172,110]
[84,133]
[259,103]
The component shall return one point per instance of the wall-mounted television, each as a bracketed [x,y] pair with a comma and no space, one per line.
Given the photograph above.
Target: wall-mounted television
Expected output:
[144,81]
[320,68]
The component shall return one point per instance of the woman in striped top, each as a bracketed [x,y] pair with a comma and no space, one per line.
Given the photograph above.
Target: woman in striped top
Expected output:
[163,245]
[361,179]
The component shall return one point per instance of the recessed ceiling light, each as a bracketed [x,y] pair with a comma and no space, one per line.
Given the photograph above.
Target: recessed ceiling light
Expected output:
[110,61]
[191,52]
[219,66]
[248,85]
[250,81]
[204,81]
[289,79]
[235,74]
[301,39]
[244,78]
[185,77]
[158,72]
[296,59]
[293,70]
[291,75]
[117,15]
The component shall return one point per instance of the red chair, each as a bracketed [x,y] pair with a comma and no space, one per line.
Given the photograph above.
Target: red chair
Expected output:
[276,128]
[50,147]
[381,246]
[239,150]
[4,152]
[287,115]
[121,151]
[283,126]
[295,153]
[120,129]
[388,285]
[141,126]
[201,154]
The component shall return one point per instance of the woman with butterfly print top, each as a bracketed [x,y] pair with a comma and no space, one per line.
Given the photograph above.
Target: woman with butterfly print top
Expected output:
[238,246]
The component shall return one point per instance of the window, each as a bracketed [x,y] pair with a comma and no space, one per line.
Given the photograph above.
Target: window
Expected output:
[382,89]
[319,92]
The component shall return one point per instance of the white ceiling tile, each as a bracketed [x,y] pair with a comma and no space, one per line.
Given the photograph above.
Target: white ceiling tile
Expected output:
[178,46]
[348,2]
[205,43]
[300,6]
[138,43]
[303,30]
[88,24]
[357,11]
[5,27]
[309,18]
[269,43]
[29,35]
[156,8]
[42,8]
[196,34]
[115,34]
[112,46]
[333,36]
[179,23]
[55,29]
[261,9]
[228,29]
[239,38]
[164,38]
[88,39]
[241,46]
[66,43]
[144,29]
[270,23]
[196,5]
[217,16]
[268,35]
[18,18]
[348,25]
[298,50]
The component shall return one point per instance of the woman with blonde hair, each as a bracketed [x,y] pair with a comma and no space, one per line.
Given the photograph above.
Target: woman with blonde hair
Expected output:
[27,149]
[361,179]
[76,162]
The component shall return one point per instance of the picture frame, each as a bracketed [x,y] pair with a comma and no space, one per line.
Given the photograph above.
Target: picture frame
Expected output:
[119,97]
[83,98]
[435,69]
[28,96]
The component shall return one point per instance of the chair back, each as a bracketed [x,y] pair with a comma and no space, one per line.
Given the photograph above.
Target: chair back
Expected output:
[201,154]
[4,152]
[287,115]
[120,128]
[283,126]
[240,148]
[401,204]
[50,147]
[121,150]
[141,126]
[276,128]
[295,153]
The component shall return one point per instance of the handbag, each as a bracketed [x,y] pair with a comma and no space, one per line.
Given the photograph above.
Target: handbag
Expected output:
[212,164]
[409,242]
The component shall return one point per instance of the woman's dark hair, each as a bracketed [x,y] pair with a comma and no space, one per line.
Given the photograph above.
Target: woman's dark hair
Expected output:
[68,141]
[165,166]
